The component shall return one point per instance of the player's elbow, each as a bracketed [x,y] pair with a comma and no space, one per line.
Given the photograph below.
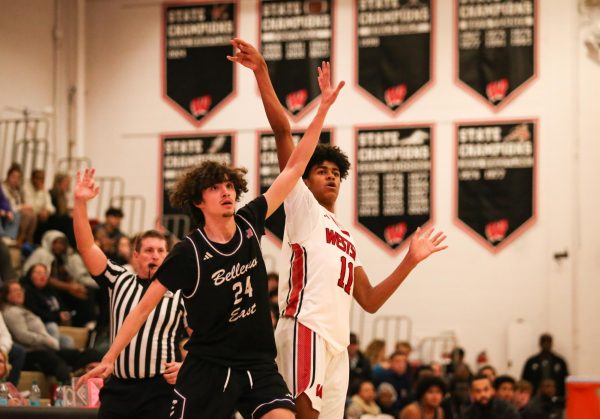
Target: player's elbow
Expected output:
[367,304]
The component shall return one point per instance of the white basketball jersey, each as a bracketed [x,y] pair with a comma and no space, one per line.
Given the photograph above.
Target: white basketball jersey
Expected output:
[316,275]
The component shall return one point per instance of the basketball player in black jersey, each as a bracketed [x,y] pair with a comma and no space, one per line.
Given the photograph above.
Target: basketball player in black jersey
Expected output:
[220,269]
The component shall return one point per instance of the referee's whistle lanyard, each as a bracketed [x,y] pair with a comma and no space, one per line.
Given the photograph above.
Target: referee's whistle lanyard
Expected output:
[229,376]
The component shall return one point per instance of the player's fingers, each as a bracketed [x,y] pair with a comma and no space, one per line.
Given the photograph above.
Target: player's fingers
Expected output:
[437,236]
[428,234]
[439,240]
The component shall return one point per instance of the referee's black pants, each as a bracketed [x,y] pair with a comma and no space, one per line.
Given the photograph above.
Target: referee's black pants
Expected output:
[148,398]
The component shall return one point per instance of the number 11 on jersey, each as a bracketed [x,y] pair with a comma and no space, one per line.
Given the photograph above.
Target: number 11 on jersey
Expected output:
[347,269]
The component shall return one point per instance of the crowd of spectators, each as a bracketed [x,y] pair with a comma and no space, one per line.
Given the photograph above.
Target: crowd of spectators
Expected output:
[43,281]
[383,386]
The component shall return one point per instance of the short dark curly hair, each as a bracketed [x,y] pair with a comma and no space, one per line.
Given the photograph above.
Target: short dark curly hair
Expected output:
[328,152]
[425,383]
[188,189]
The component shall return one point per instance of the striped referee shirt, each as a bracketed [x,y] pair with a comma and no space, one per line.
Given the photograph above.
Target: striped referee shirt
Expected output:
[155,342]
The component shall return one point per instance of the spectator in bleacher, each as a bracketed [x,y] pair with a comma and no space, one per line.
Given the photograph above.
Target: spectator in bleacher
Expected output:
[546,364]
[375,353]
[404,347]
[107,234]
[43,352]
[124,252]
[15,352]
[488,371]
[59,193]
[36,195]
[68,276]
[24,212]
[398,376]
[457,358]
[485,405]
[61,219]
[7,271]
[546,404]
[386,399]
[9,221]
[363,402]
[504,386]
[437,369]
[523,392]
[44,302]
[360,368]
[460,399]
[429,395]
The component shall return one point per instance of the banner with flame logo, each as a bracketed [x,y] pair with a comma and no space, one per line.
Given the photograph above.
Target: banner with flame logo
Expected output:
[197,78]
[496,42]
[496,179]
[268,170]
[393,182]
[393,50]
[295,37]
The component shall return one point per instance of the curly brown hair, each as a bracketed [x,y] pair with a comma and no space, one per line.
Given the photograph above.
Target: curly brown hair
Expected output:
[188,189]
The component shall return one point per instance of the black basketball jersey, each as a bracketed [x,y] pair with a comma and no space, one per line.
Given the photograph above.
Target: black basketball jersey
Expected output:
[225,287]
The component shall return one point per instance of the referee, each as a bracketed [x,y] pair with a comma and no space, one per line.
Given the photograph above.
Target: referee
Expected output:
[144,373]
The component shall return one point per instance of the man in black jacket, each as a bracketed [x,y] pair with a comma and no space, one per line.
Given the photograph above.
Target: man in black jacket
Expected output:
[546,364]
[485,405]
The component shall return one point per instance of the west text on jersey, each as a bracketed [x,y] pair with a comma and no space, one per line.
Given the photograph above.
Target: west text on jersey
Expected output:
[336,239]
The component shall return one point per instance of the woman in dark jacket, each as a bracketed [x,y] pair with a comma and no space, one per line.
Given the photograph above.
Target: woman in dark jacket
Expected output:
[43,301]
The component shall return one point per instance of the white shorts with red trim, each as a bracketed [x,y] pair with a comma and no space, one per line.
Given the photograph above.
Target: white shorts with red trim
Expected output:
[310,366]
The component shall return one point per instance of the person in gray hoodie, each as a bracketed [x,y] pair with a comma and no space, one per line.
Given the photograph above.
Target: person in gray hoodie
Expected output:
[67,275]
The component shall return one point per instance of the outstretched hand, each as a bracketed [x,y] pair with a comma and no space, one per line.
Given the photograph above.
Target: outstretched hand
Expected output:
[103,370]
[85,188]
[328,94]
[423,244]
[247,55]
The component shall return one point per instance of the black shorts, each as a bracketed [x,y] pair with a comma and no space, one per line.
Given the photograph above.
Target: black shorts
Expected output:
[208,390]
[148,398]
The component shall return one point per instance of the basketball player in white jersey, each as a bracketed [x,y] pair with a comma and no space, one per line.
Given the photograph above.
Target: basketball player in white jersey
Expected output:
[321,270]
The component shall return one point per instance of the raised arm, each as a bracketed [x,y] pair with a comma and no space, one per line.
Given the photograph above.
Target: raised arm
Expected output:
[85,190]
[422,245]
[302,153]
[132,324]
[249,57]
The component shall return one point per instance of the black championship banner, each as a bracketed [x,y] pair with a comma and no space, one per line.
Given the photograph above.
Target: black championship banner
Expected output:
[268,170]
[496,46]
[182,152]
[394,49]
[197,76]
[295,36]
[495,164]
[393,181]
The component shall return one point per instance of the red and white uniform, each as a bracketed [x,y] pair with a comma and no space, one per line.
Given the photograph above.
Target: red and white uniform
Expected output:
[316,280]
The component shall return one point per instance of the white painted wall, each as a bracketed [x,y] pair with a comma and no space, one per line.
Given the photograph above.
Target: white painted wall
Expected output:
[465,289]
